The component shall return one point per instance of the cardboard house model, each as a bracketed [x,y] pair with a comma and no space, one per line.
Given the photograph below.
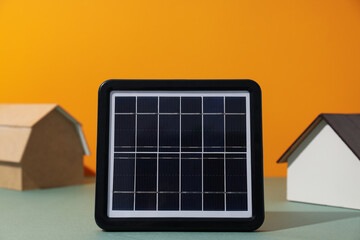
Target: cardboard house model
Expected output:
[41,146]
[324,162]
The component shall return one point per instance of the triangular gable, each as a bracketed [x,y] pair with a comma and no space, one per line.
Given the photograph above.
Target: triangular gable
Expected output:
[78,129]
[347,126]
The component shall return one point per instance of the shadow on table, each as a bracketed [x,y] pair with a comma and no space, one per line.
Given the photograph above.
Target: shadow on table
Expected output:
[283,220]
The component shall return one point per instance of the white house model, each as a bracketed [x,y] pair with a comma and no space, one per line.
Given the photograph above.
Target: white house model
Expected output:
[324,162]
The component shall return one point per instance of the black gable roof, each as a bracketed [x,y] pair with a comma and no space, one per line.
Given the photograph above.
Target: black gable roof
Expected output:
[347,126]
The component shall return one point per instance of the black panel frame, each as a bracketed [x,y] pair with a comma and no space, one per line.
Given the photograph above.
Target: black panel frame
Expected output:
[179,224]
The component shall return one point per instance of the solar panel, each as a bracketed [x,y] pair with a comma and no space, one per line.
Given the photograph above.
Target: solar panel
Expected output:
[179,154]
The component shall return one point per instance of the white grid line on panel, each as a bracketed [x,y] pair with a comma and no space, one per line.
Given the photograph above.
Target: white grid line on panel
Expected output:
[135,150]
[178,158]
[111,156]
[239,147]
[178,192]
[132,113]
[190,152]
[202,153]
[248,154]
[157,157]
[224,156]
[180,153]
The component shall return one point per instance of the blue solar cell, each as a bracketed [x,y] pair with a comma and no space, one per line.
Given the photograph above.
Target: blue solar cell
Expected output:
[124,169]
[213,105]
[147,133]
[145,201]
[191,172]
[169,137]
[146,171]
[168,201]
[169,105]
[190,104]
[125,104]
[123,183]
[235,104]
[168,172]
[124,133]
[147,104]
[191,133]
[236,180]
[236,183]
[123,201]
[235,133]
[236,164]
[236,202]
[191,201]
[213,133]
[213,172]
[214,202]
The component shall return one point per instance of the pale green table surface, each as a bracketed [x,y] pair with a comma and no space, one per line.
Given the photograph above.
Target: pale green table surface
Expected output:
[68,213]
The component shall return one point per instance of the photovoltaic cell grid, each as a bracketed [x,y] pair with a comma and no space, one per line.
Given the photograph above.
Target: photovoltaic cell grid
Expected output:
[183,153]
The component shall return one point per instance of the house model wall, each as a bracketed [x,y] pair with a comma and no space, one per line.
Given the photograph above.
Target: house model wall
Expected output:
[323,165]
[41,146]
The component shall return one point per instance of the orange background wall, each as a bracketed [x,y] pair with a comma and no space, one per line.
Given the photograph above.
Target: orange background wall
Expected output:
[304,54]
